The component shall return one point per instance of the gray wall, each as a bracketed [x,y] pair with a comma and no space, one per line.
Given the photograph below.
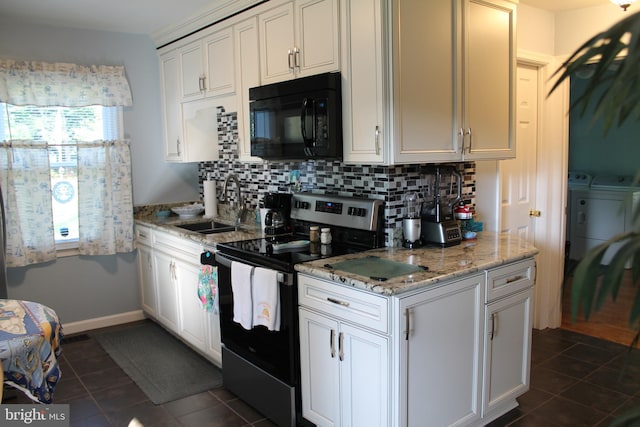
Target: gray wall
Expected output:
[81,288]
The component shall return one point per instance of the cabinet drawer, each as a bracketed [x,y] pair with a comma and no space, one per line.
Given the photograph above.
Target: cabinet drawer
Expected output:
[143,235]
[506,280]
[353,305]
[177,246]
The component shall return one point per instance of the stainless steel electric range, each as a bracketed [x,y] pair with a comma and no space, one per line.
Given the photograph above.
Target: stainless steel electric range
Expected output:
[262,366]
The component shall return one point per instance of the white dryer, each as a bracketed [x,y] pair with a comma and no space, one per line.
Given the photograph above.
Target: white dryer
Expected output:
[600,212]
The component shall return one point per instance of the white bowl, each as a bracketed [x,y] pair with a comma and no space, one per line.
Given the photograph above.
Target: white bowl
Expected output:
[189,211]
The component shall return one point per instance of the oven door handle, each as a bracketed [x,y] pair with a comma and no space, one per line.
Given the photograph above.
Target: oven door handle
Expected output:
[284,278]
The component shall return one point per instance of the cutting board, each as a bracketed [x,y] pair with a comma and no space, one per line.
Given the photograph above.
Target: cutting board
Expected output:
[376,268]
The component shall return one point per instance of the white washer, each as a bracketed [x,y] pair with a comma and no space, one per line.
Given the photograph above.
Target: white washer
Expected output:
[601,212]
[577,181]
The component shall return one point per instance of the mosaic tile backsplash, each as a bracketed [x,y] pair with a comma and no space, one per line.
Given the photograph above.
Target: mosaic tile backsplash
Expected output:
[387,183]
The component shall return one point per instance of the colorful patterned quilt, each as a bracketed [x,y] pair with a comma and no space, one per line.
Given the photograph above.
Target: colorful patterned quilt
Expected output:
[30,335]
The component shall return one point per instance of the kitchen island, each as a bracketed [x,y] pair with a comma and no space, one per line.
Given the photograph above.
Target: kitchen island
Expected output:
[438,264]
[444,339]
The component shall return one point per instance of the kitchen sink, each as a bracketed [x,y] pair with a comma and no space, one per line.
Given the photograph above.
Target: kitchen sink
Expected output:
[207,227]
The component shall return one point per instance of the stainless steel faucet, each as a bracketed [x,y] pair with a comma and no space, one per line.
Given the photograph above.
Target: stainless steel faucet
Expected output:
[238,197]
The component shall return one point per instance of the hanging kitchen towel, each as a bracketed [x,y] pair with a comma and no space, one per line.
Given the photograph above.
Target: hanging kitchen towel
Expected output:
[266,297]
[241,287]
[208,288]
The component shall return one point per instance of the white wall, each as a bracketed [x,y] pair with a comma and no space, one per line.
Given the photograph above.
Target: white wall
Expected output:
[535,30]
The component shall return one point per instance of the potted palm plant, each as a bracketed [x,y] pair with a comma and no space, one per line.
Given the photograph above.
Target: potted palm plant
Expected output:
[614,56]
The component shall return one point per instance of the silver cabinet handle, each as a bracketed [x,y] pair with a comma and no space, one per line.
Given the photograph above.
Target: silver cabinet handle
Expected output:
[332,344]
[494,323]
[296,57]
[468,132]
[335,301]
[290,59]
[141,234]
[341,346]
[461,138]
[406,324]
[377,140]
[178,147]
[514,279]
[201,83]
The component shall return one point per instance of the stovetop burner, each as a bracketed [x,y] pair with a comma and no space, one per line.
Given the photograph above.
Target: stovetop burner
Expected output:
[356,225]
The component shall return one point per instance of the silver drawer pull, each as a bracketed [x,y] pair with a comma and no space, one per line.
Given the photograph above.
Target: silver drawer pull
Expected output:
[515,279]
[335,301]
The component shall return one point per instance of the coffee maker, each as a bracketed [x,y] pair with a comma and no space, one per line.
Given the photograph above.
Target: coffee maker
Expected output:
[411,223]
[438,223]
[277,217]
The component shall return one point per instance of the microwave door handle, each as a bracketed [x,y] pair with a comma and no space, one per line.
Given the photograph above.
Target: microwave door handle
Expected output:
[308,142]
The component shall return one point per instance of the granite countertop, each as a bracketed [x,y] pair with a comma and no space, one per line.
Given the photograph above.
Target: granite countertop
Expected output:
[170,225]
[439,264]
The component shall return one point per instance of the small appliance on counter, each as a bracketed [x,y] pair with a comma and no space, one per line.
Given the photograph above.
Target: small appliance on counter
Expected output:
[411,223]
[277,217]
[438,223]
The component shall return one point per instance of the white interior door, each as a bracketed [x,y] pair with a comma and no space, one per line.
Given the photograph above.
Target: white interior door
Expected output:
[518,175]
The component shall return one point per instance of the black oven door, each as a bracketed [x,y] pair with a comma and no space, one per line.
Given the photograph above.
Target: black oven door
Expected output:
[273,351]
[296,127]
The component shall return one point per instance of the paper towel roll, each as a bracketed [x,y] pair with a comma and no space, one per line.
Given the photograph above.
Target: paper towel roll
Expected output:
[210,201]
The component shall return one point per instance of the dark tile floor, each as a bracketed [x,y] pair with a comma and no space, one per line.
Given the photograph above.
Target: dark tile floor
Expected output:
[576,380]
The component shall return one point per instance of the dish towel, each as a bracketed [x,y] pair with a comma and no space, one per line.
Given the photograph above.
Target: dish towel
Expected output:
[241,288]
[208,288]
[266,297]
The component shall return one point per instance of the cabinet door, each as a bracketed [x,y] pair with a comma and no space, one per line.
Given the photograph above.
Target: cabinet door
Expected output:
[319,369]
[363,74]
[276,44]
[248,73]
[364,377]
[220,63]
[425,81]
[171,111]
[317,37]
[192,315]
[507,349]
[192,78]
[147,280]
[441,354]
[167,292]
[489,79]
[200,124]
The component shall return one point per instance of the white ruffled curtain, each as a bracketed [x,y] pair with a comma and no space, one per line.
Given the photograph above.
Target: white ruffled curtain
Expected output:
[105,206]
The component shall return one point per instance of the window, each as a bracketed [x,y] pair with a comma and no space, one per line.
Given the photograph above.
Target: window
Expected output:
[61,128]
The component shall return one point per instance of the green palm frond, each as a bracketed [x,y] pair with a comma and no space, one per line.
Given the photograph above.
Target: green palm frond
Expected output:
[613,58]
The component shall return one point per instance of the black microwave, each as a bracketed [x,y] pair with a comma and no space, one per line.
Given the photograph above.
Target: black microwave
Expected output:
[297,119]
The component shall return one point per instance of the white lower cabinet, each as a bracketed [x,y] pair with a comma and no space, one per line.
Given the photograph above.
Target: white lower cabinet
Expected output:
[508,316]
[452,354]
[167,313]
[173,289]
[440,354]
[344,373]
[344,352]
[146,274]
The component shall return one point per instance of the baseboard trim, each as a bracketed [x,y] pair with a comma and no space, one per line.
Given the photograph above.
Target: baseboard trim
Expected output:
[102,322]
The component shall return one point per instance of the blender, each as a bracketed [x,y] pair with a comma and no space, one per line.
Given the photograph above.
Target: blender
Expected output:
[412,223]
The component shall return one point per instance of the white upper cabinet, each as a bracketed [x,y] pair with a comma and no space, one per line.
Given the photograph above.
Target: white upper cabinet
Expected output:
[248,75]
[207,66]
[299,39]
[453,80]
[364,129]
[171,110]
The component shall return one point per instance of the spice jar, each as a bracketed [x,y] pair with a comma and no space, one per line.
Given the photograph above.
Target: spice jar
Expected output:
[325,236]
[314,234]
